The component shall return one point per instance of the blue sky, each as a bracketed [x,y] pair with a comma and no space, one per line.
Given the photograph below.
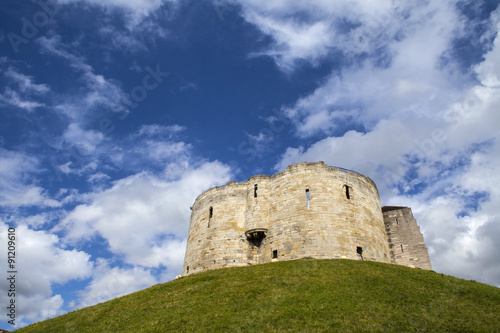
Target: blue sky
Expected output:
[115,115]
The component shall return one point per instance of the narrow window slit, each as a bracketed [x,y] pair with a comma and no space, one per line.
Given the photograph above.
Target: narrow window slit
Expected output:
[347,194]
[210,214]
[255,191]
[402,250]
[307,196]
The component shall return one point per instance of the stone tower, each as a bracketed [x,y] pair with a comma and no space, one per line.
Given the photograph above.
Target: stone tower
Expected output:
[308,210]
[405,239]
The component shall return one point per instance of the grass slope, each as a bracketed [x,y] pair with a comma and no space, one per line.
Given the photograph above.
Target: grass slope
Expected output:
[296,296]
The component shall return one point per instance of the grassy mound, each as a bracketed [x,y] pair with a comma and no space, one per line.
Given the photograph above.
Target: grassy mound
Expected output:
[296,296]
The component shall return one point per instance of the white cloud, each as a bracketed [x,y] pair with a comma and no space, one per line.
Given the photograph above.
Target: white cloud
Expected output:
[315,29]
[54,46]
[98,177]
[122,39]
[21,91]
[108,283]
[153,146]
[159,130]
[87,140]
[294,40]
[41,263]
[355,150]
[136,10]
[35,221]
[143,6]
[393,52]
[13,98]
[25,83]
[161,151]
[145,218]
[38,308]
[99,92]
[159,144]
[489,70]
[85,148]
[16,174]
[366,94]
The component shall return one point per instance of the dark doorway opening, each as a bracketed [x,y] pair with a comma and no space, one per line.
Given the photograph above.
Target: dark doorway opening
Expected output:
[359,250]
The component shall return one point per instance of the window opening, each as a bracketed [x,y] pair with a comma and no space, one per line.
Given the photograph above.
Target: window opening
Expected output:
[275,254]
[255,191]
[307,196]
[397,222]
[210,214]
[402,250]
[187,269]
[347,195]
[359,250]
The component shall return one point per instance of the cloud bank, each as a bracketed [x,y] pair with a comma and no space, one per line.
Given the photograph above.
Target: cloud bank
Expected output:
[401,110]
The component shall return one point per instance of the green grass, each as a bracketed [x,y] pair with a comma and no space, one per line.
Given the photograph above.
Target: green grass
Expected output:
[296,296]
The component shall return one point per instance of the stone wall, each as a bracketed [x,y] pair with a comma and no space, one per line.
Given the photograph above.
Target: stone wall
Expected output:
[405,239]
[308,210]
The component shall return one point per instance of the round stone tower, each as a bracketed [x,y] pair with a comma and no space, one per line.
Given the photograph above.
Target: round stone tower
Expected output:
[308,210]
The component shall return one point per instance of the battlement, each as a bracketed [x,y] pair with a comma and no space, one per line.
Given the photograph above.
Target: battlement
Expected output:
[307,210]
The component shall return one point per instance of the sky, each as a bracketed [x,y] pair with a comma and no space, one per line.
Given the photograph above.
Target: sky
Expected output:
[115,115]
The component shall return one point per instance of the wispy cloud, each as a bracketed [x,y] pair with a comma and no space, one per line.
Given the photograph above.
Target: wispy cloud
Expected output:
[17,189]
[21,91]
[100,91]
[135,10]
[25,82]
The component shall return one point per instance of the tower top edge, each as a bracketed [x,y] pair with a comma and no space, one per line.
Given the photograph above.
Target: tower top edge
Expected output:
[391,208]
[290,168]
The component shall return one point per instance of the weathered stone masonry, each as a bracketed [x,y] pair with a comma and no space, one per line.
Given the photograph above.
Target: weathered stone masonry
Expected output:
[405,239]
[308,210]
